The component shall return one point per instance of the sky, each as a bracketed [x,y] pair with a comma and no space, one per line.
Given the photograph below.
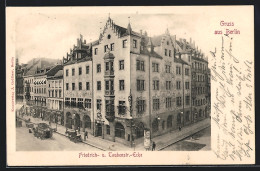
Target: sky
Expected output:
[50,31]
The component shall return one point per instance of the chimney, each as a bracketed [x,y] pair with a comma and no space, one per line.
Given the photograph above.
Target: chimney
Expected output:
[84,41]
[174,40]
[190,41]
[181,40]
[141,32]
[194,44]
[145,33]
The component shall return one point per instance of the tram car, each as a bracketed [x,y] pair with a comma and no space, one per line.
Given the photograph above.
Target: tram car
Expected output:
[43,131]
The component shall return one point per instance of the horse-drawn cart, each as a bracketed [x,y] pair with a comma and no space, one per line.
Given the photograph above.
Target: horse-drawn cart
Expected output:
[73,136]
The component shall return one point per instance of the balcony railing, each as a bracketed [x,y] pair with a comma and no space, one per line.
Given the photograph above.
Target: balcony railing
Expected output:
[109,92]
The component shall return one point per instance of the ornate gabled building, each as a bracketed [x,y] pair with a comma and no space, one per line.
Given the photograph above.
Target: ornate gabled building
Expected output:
[126,82]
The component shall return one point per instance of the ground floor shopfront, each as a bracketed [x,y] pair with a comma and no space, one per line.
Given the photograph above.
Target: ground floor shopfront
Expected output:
[128,131]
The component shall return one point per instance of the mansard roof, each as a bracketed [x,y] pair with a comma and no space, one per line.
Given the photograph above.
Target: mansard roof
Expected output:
[179,60]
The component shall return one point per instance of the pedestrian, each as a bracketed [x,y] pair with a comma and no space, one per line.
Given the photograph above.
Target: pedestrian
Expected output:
[179,128]
[79,129]
[153,146]
[86,134]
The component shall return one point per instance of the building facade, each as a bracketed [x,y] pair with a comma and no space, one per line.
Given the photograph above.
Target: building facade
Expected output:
[55,102]
[126,82]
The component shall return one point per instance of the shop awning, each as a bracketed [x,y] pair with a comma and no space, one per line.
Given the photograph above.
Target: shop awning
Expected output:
[18,106]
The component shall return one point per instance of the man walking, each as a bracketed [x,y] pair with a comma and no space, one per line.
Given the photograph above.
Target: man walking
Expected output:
[153,146]
[85,135]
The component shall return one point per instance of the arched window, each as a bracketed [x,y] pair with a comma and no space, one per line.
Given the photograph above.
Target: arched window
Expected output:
[169,121]
[119,130]
[155,125]
[187,116]
[163,125]
[140,130]
[87,121]
[200,113]
[179,118]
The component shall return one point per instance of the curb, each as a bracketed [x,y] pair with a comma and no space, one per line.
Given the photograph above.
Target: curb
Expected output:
[84,142]
[200,129]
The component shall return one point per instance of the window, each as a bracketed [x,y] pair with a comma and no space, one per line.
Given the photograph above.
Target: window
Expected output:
[107,66]
[155,67]
[88,103]
[112,45]
[178,85]
[121,108]
[98,68]
[121,65]
[140,85]
[98,85]
[80,85]
[96,51]
[73,102]
[140,106]
[56,93]
[87,69]
[121,84]
[87,86]
[105,48]
[135,43]
[139,65]
[73,86]
[178,101]
[167,68]
[156,84]
[124,43]
[99,104]
[168,85]
[165,52]
[108,129]
[73,71]
[142,65]
[187,71]
[189,58]
[67,101]
[108,36]
[168,102]
[80,70]
[178,70]
[80,102]
[187,85]
[107,85]
[67,72]
[187,100]
[170,53]
[59,93]
[156,104]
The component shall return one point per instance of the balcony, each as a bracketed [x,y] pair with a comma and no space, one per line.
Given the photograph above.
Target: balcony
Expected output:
[109,92]
[110,116]
[109,73]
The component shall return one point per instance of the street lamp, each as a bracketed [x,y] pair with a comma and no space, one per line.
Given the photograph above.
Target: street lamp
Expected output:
[182,118]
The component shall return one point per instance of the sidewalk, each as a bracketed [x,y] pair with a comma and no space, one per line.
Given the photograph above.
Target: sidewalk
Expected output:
[162,141]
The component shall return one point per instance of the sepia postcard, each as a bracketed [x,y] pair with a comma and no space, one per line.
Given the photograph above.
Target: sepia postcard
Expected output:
[139,85]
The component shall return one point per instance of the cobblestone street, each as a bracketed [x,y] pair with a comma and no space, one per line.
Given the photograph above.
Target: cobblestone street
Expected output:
[26,141]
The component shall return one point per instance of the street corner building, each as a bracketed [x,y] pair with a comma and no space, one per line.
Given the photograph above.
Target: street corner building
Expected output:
[121,84]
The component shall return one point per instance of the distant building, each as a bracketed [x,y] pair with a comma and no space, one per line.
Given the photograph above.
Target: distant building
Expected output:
[55,96]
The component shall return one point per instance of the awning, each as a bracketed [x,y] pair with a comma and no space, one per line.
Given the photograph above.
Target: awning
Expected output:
[18,106]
